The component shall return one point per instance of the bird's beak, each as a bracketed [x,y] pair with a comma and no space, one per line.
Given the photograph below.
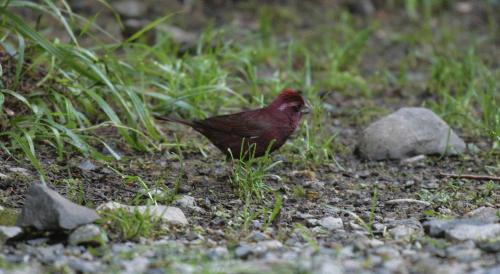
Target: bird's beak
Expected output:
[306,109]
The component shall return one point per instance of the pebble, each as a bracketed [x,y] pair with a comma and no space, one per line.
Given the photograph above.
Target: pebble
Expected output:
[9,232]
[464,232]
[88,234]
[243,251]
[331,223]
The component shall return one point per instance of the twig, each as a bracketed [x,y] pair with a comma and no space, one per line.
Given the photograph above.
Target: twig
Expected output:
[397,201]
[471,176]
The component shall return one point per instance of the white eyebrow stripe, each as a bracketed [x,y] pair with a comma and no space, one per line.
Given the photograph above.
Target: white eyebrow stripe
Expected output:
[285,105]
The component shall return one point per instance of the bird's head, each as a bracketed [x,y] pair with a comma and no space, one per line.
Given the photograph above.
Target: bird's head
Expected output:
[291,103]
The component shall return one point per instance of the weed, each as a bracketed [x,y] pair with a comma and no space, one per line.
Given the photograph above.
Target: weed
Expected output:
[249,173]
[126,225]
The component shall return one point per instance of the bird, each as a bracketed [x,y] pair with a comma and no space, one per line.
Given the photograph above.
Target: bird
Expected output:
[252,133]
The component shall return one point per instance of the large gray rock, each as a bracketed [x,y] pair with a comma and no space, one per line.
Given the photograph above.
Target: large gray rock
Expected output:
[406,133]
[45,209]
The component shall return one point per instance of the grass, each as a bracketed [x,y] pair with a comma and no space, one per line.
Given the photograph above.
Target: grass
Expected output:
[125,225]
[64,98]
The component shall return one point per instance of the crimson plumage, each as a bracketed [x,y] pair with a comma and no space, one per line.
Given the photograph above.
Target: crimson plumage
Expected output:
[260,127]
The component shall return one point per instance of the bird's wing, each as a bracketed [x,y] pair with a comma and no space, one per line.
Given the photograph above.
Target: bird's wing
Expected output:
[249,124]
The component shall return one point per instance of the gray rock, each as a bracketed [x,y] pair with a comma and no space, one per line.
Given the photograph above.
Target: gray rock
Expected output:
[48,254]
[403,232]
[433,265]
[88,235]
[136,265]
[331,223]
[394,265]
[405,229]
[20,171]
[217,252]
[463,252]
[329,267]
[178,267]
[188,202]
[492,270]
[169,214]
[437,228]
[3,177]
[130,8]
[465,232]
[486,214]
[180,36]
[269,245]
[9,232]
[45,209]
[258,236]
[361,7]
[490,245]
[243,251]
[185,201]
[406,133]
[84,266]
[87,165]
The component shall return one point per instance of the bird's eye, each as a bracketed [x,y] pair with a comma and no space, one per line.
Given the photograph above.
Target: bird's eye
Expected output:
[296,108]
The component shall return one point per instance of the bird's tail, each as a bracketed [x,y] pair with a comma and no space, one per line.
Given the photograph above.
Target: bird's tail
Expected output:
[175,120]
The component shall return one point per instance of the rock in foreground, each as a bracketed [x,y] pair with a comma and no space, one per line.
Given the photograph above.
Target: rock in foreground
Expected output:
[406,133]
[45,209]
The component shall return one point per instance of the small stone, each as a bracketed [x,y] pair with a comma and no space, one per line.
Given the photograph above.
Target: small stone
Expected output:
[329,267]
[243,251]
[155,192]
[411,160]
[331,223]
[486,214]
[87,165]
[218,252]
[130,8]
[180,36]
[463,253]
[258,236]
[169,214]
[270,245]
[395,265]
[402,232]
[387,252]
[463,7]
[45,209]
[379,228]
[465,232]
[473,149]
[84,266]
[48,254]
[312,222]
[20,170]
[9,232]
[437,228]
[492,270]
[178,267]
[405,229]
[185,201]
[136,265]
[314,184]
[88,235]
[490,245]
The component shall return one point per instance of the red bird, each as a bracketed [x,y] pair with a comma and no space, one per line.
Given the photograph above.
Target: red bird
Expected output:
[235,133]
